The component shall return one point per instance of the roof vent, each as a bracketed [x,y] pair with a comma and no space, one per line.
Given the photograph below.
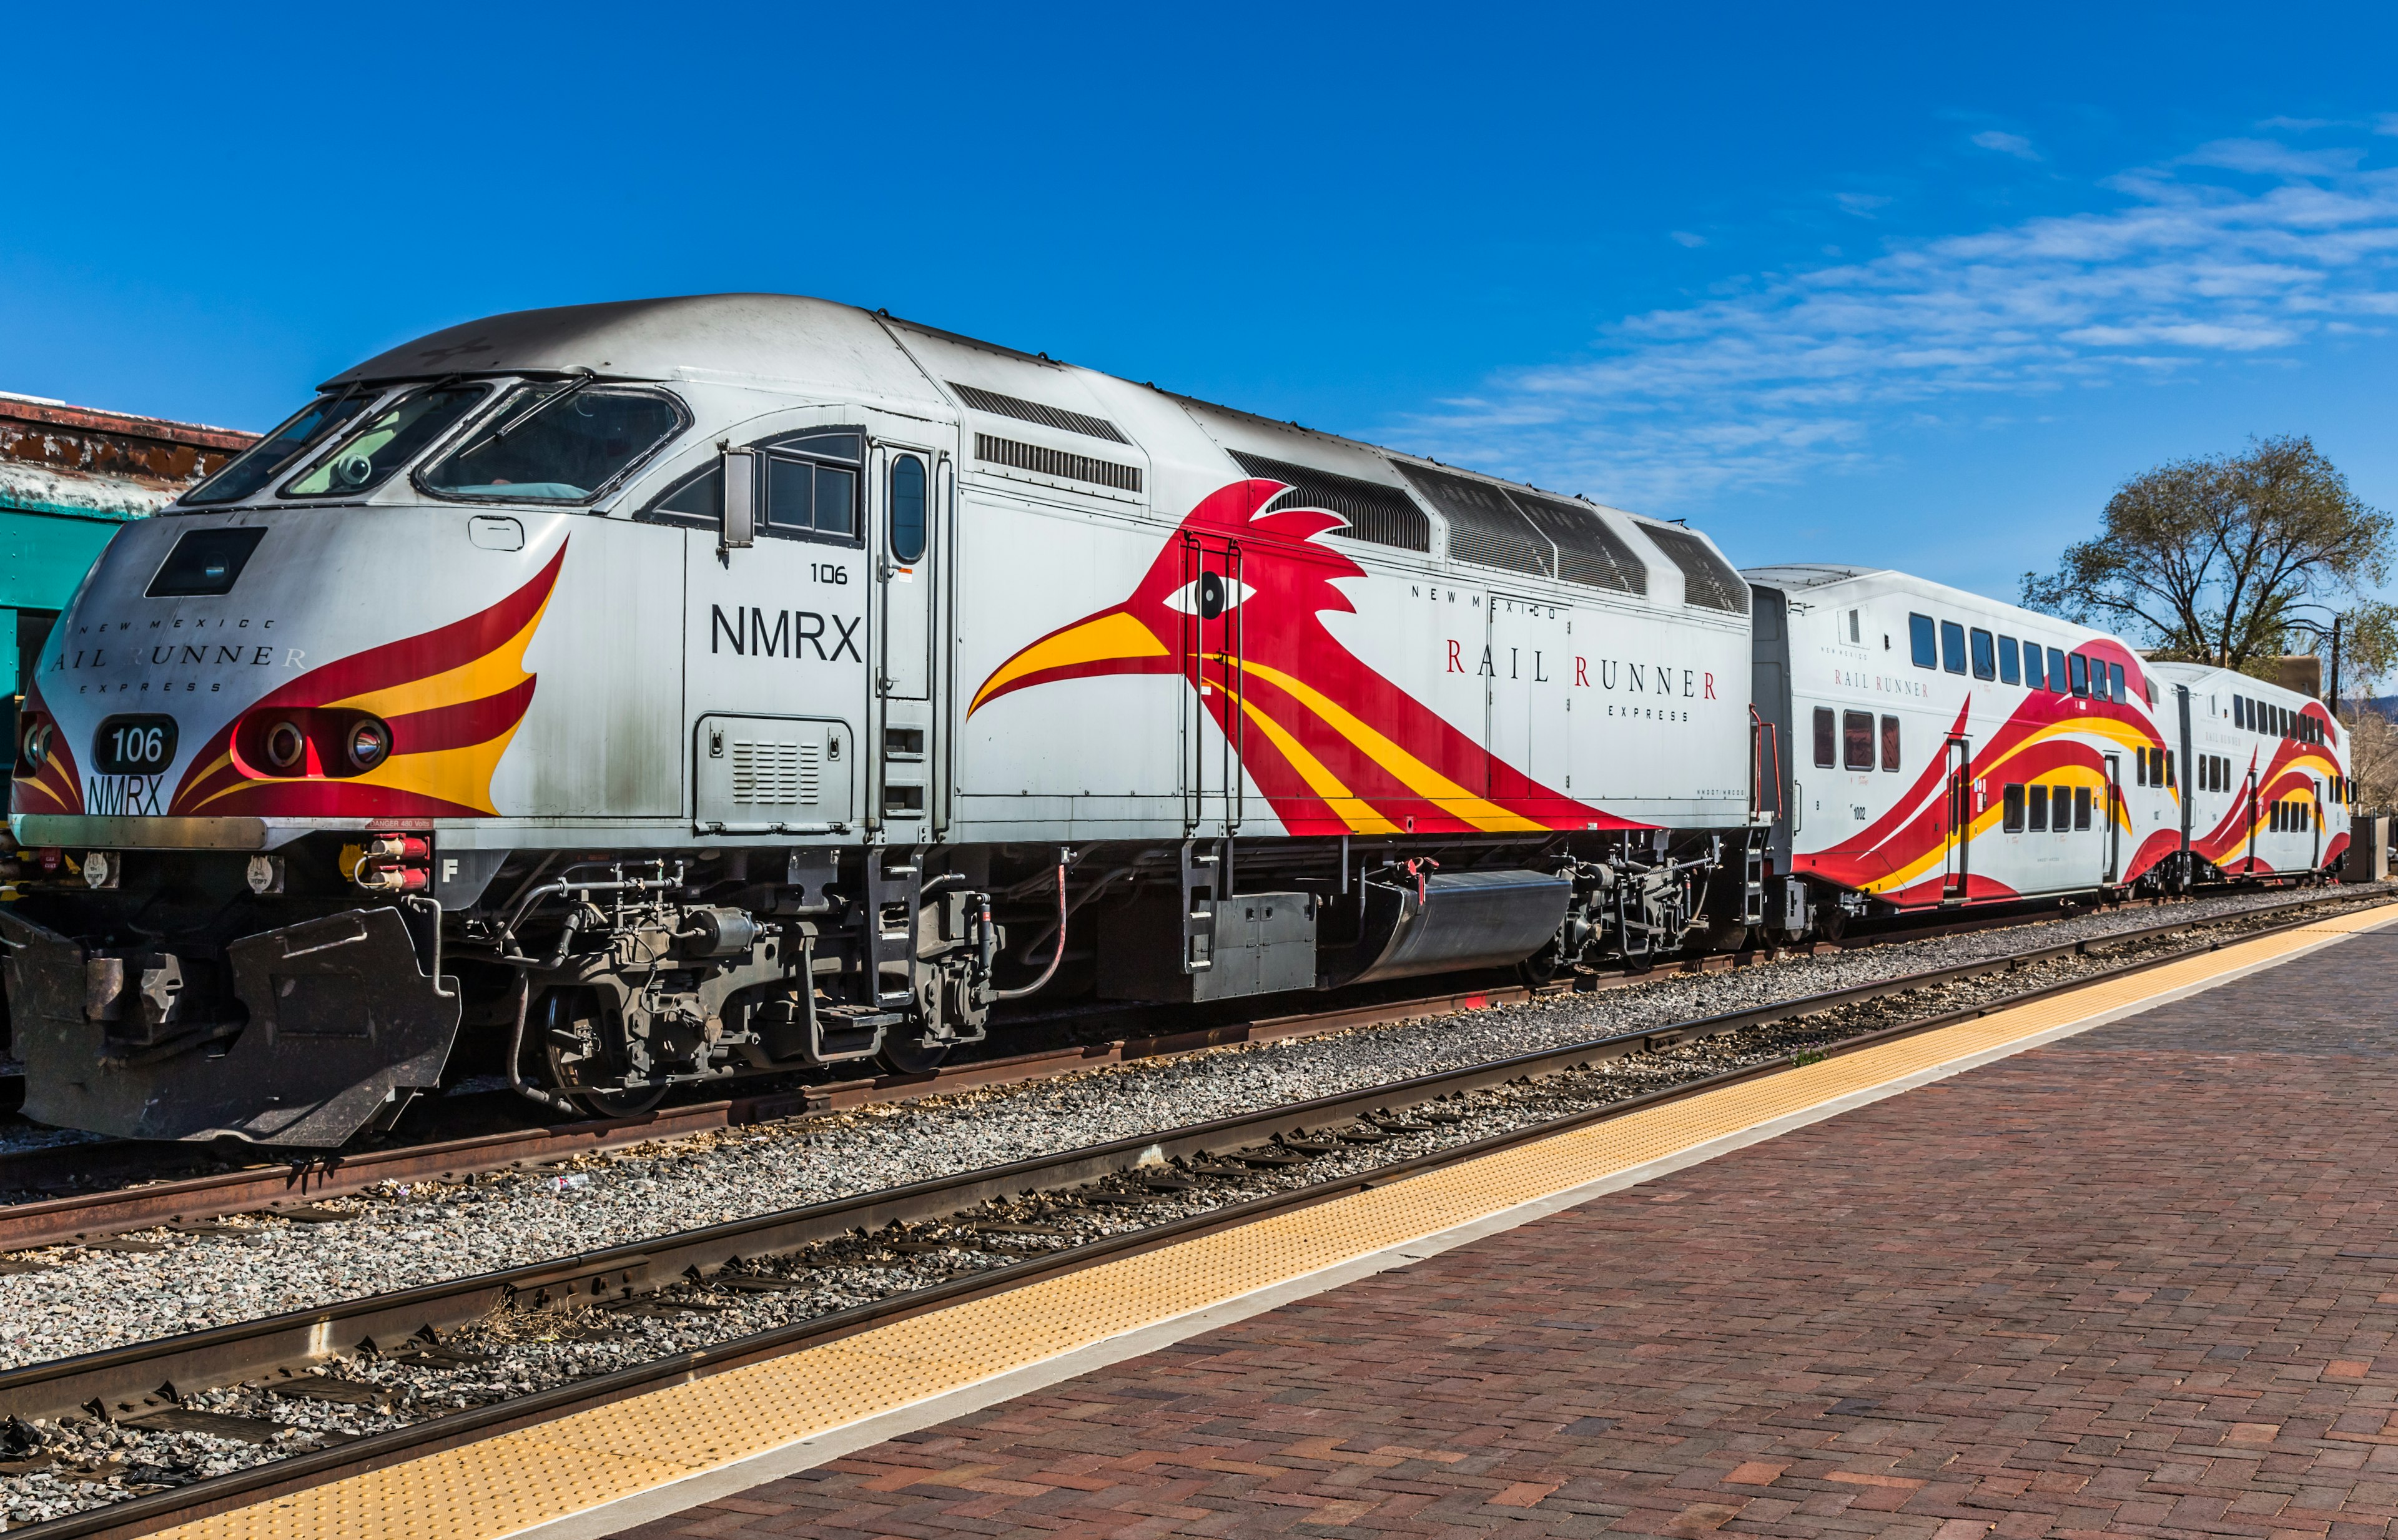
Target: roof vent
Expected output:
[1033,412]
[1588,551]
[1707,579]
[1380,515]
[1484,526]
[1040,460]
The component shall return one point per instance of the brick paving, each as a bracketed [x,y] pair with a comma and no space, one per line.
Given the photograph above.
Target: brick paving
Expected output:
[2139,1282]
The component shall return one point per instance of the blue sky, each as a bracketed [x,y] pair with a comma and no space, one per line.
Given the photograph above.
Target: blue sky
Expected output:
[1870,283]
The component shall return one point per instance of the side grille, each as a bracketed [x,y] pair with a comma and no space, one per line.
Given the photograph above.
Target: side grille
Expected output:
[767,773]
[1484,526]
[1033,412]
[1588,552]
[1707,579]
[1380,515]
[1044,461]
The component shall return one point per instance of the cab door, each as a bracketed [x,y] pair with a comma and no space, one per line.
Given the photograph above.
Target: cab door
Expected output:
[908,482]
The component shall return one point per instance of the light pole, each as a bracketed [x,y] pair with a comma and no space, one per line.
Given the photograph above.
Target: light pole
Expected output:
[2330,633]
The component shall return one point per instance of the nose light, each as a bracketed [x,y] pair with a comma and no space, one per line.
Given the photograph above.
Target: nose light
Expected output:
[285,745]
[369,740]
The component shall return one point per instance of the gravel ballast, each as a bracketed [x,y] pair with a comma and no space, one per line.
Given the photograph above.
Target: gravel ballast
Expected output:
[400,1236]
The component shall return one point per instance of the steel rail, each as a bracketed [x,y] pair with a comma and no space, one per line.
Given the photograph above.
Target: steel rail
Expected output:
[118,1378]
[78,1217]
[89,1216]
[217,1494]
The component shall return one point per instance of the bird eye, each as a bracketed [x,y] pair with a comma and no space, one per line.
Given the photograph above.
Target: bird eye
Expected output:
[1208,595]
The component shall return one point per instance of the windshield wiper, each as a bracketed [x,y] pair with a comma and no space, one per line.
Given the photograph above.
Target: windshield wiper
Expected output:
[527,413]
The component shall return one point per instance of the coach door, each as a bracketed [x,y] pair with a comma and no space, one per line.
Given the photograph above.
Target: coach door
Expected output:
[1209,651]
[2114,824]
[1959,818]
[2248,797]
[911,487]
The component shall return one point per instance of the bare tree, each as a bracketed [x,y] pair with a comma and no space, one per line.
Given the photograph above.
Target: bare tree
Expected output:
[2211,560]
[2372,758]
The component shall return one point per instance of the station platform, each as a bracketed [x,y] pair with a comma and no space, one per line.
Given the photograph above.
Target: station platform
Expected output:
[2123,1260]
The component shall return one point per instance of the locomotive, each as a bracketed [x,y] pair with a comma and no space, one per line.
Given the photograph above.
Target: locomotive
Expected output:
[635,695]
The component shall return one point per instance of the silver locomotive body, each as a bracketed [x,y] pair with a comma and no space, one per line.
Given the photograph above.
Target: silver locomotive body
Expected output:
[630,695]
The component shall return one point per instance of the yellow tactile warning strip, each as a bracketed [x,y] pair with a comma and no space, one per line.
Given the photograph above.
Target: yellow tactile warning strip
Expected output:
[532,1477]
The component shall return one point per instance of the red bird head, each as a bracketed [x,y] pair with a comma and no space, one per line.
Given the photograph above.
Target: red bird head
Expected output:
[1233,604]
[1232,579]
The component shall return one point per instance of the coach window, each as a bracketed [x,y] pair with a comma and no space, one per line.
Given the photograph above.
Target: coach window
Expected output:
[2034,679]
[2169,757]
[906,510]
[1857,741]
[2115,680]
[1986,654]
[2036,809]
[1826,731]
[1920,641]
[2239,711]
[2011,819]
[2081,808]
[2079,673]
[2140,762]
[1952,647]
[1890,743]
[2010,672]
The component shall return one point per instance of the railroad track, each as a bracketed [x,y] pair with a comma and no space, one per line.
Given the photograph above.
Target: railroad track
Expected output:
[130,1382]
[78,1217]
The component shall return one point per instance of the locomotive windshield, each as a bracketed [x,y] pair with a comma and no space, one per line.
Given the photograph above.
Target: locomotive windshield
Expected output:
[557,443]
[388,440]
[276,452]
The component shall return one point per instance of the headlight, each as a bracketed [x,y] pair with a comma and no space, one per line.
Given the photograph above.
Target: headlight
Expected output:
[287,746]
[369,741]
[37,745]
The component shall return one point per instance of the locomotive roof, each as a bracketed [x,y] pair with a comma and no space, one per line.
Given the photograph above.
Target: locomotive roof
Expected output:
[848,353]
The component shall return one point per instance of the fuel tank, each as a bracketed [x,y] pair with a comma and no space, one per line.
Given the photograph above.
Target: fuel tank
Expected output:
[1447,922]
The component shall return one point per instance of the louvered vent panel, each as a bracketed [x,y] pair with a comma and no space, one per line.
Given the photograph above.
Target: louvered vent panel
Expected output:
[1484,526]
[1707,579]
[1040,460]
[1588,552]
[1033,412]
[771,774]
[1378,514]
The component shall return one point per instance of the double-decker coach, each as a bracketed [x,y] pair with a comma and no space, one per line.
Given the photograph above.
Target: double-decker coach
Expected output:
[1939,748]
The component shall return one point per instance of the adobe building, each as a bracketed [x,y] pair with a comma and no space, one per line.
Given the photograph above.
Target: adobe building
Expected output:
[69,476]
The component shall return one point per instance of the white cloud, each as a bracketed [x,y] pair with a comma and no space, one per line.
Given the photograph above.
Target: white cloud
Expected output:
[1861,204]
[1791,374]
[1684,238]
[2006,144]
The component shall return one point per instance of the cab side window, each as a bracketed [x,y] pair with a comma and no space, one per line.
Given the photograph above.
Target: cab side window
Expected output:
[1826,731]
[1890,743]
[906,532]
